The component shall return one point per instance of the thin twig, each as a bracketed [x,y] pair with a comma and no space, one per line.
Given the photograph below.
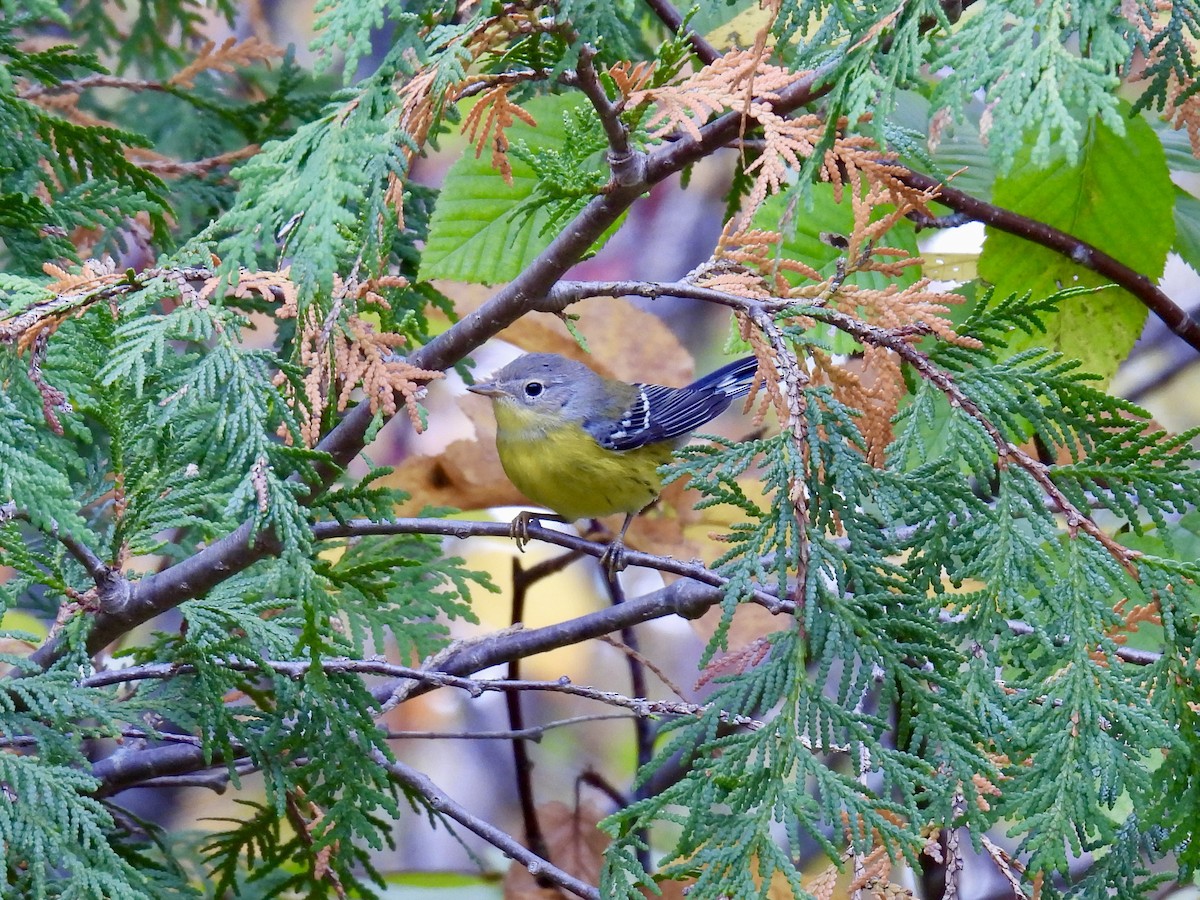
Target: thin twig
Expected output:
[645,661]
[643,733]
[537,866]
[627,165]
[464,529]
[97,568]
[79,85]
[522,581]
[533,733]
[669,16]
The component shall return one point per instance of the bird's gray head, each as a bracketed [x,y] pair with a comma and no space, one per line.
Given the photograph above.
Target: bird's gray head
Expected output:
[543,382]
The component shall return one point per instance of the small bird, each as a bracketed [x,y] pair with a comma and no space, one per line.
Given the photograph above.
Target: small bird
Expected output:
[587,446]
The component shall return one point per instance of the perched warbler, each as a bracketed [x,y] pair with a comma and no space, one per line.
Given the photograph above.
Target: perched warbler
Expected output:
[587,446]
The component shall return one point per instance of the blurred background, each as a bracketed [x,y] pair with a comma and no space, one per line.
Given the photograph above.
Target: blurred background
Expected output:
[667,341]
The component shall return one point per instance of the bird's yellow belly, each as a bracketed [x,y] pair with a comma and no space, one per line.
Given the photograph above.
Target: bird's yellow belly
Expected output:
[568,472]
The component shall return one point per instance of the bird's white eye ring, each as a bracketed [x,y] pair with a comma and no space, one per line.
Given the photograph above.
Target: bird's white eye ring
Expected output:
[533,389]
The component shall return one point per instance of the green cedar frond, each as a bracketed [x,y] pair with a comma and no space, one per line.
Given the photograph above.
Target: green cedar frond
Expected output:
[28,476]
[402,584]
[314,183]
[567,178]
[1170,53]
[58,836]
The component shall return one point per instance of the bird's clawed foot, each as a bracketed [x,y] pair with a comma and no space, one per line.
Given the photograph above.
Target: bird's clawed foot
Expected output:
[519,529]
[613,558]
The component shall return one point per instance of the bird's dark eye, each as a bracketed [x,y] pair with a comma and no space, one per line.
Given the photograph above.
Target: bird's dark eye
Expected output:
[533,389]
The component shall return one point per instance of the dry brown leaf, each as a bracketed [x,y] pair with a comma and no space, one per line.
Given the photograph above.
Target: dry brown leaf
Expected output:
[574,843]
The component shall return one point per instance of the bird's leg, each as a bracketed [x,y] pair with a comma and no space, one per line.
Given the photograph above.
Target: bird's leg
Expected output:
[519,529]
[613,558]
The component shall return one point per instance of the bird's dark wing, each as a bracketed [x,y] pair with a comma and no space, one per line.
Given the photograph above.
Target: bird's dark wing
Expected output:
[732,379]
[662,414]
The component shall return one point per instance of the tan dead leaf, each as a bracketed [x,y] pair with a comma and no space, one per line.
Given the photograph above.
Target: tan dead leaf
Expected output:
[574,843]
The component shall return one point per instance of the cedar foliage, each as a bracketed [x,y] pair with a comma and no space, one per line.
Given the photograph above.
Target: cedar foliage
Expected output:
[959,528]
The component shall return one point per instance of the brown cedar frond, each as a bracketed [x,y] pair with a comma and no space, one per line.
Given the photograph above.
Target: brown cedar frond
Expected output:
[788,143]
[94,273]
[742,81]
[739,282]
[230,56]
[735,662]
[629,79]
[73,293]
[489,117]
[1183,110]
[352,352]
[716,88]
[758,250]
[365,356]
[749,263]
[422,96]
[275,287]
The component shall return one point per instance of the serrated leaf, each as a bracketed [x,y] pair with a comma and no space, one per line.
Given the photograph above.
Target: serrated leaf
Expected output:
[1187,228]
[1098,201]
[474,235]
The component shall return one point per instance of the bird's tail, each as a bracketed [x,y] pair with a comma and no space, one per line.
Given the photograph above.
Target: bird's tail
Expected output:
[732,380]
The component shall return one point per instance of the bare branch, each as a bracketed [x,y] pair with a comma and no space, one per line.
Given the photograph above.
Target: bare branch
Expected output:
[538,867]
[628,165]
[79,85]
[1074,249]
[463,529]
[97,568]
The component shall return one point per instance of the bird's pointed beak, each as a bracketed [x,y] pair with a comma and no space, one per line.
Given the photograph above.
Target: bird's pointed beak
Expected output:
[487,389]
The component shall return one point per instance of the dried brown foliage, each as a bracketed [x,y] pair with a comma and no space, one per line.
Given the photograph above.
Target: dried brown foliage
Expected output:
[488,118]
[229,56]
[751,262]
[575,843]
[423,96]
[341,356]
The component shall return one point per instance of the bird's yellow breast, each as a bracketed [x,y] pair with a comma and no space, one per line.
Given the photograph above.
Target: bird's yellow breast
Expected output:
[558,465]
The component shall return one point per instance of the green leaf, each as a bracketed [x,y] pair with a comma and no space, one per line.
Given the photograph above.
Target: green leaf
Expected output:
[1187,228]
[1120,188]
[476,234]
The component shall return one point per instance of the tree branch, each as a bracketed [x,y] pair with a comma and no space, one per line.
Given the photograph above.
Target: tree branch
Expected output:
[462,529]
[1074,249]
[1078,251]
[537,866]
[627,165]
